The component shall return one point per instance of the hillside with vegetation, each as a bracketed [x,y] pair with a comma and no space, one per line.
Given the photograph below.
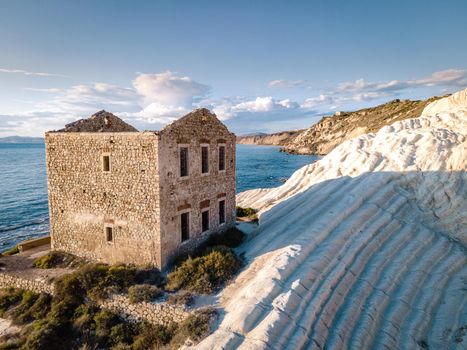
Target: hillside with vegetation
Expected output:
[322,137]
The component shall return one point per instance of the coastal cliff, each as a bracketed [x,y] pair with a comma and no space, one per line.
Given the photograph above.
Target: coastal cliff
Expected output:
[322,137]
[276,139]
[363,249]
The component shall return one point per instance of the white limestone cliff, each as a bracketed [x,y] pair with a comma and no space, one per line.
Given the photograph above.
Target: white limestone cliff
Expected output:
[364,249]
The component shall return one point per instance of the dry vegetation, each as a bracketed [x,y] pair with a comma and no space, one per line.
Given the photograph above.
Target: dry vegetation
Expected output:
[71,319]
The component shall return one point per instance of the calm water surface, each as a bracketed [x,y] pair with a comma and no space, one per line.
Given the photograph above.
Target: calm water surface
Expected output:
[23,184]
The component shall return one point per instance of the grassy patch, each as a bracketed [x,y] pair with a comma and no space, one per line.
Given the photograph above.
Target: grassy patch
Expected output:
[206,273]
[55,259]
[8,298]
[195,327]
[182,298]
[248,213]
[12,251]
[33,306]
[231,238]
[97,281]
[143,292]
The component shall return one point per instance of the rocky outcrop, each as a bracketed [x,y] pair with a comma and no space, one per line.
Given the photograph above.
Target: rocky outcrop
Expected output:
[154,313]
[101,121]
[276,139]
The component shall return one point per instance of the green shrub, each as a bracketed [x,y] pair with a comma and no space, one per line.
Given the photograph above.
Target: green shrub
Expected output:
[153,336]
[55,259]
[97,281]
[69,289]
[121,334]
[104,321]
[183,298]
[143,292]
[246,212]
[206,273]
[121,276]
[11,342]
[149,275]
[33,306]
[41,307]
[71,320]
[195,327]
[231,238]
[9,297]
[12,251]
[50,334]
[83,317]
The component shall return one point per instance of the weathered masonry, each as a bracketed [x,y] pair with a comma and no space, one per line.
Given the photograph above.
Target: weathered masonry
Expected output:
[119,195]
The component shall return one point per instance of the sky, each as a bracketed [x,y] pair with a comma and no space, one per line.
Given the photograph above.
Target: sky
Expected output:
[261,66]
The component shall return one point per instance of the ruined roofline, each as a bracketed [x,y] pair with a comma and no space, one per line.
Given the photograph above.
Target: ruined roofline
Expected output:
[106,123]
[99,122]
[196,113]
[103,133]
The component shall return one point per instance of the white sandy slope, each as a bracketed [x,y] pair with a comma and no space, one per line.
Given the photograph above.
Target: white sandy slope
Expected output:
[364,249]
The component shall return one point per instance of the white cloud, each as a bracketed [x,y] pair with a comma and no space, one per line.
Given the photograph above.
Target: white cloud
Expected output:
[362,91]
[157,99]
[260,104]
[169,89]
[32,123]
[159,113]
[67,105]
[452,77]
[29,73]
[228,109]
[314,102]
[449,77]
[287,103]
[154,99]
[284,84]
[167,96]
[46,90]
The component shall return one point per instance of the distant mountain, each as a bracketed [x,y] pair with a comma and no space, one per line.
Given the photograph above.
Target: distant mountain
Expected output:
[21,139]
[253,134]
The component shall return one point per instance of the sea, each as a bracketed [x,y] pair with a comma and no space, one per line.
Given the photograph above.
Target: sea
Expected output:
[23,184]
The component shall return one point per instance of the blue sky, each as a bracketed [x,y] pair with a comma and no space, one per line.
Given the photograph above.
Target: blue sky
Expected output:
[260,65]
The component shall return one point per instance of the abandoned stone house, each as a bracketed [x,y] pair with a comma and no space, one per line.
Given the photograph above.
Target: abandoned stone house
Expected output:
[119,195]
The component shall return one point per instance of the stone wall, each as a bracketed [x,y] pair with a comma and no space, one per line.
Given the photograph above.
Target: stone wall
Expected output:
[155,313]
[83,198]
[37,286]
[197,191]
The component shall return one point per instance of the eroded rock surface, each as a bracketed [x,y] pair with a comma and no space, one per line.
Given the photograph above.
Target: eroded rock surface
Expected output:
[363,249]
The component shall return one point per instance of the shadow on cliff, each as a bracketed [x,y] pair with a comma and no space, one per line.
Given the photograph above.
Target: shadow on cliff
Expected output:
[327,227]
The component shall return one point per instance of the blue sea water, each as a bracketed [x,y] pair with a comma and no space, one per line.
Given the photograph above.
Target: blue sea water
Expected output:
[265,166]
[23,193]
[23,184]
